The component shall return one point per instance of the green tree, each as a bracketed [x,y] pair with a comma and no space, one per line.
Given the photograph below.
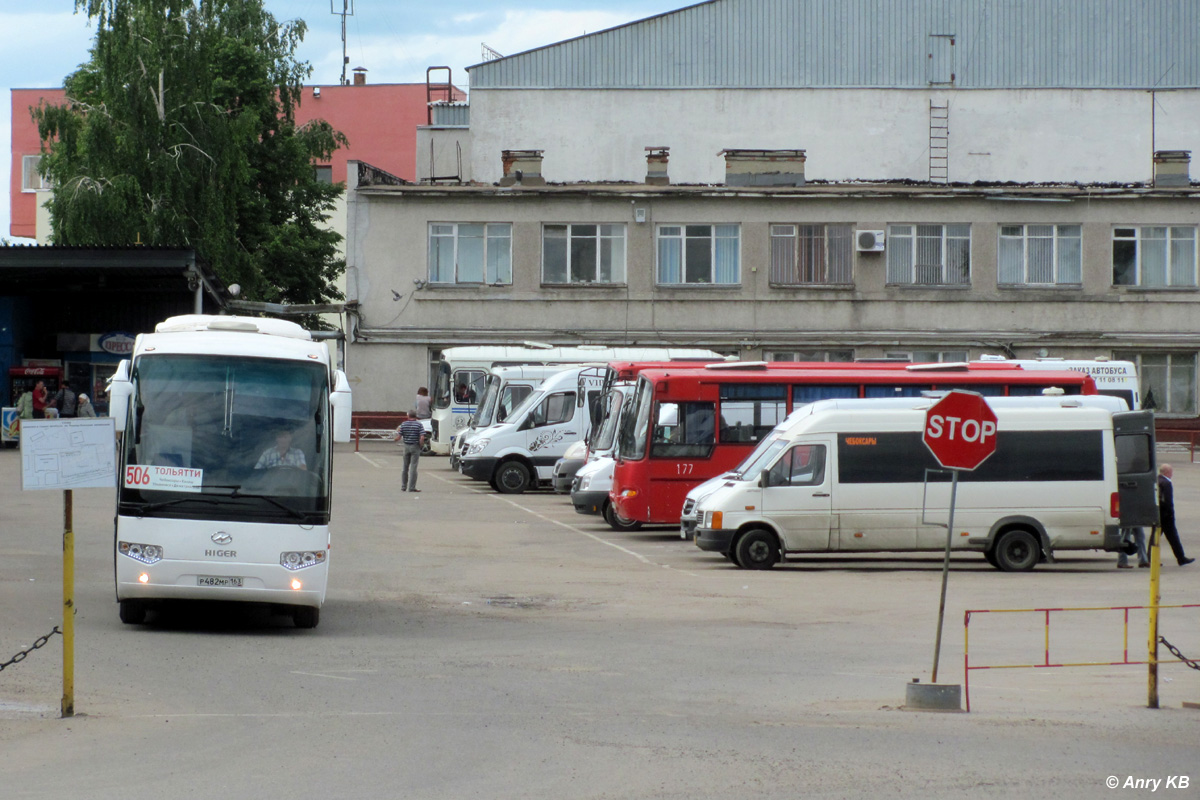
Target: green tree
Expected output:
[180,131]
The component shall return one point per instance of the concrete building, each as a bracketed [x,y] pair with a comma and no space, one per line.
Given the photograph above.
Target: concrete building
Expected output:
[806,179]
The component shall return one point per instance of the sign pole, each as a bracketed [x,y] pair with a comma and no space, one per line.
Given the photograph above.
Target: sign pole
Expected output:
[68,626]
[937,647]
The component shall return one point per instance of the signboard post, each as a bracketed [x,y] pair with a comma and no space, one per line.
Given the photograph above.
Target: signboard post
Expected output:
[960,431]
[68,454]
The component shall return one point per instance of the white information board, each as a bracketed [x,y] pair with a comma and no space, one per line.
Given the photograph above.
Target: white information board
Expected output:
[68,453]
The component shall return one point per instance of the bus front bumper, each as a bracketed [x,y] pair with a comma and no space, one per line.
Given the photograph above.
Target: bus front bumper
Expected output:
[189,580]
[714,541]
[481,469]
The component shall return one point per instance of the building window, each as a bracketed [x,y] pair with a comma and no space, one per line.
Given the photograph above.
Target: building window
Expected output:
[929,255]
[1168,381]
[1154,257]
[323,173]
[811,254]
[698,254]
[464,253]
[31,181]
[1041,255]
[809,355]
[928,356]
[583,254]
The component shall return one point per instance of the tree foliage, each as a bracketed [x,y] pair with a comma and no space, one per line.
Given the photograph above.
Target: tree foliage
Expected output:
[180,131]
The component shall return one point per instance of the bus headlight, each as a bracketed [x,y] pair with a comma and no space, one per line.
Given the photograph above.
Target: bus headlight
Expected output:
[145,553]
[478,446]
[300,560]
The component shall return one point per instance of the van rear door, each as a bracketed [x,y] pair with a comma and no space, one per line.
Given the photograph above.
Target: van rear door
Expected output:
[1133,435]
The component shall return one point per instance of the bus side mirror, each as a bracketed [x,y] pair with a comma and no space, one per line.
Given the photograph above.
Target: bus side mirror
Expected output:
[120,391]
[340,402]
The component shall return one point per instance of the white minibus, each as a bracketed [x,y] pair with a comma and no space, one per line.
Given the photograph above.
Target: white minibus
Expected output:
[226,454]
[461,374]
[520,453]
[856,476]
[505,388]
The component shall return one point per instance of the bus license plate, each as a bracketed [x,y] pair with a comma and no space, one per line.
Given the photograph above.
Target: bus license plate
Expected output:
[213,580]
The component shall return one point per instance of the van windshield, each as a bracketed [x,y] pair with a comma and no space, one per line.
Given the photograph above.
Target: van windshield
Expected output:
[487,404]
[761,458]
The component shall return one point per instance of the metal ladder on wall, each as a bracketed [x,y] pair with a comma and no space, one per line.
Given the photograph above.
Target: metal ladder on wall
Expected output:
[939,142]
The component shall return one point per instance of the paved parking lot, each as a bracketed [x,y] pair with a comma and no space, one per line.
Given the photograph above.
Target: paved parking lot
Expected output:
[478,645]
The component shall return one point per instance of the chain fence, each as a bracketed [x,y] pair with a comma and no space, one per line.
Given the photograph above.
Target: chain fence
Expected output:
[41,642]
[1175,652]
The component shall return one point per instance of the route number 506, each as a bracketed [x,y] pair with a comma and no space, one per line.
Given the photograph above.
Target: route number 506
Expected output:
[137,476]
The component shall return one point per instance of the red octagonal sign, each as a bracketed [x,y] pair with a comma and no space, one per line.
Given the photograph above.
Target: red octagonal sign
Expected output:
[960,430]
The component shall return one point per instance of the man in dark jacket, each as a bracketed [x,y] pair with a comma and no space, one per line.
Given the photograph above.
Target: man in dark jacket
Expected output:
[1166,513]
[65,401]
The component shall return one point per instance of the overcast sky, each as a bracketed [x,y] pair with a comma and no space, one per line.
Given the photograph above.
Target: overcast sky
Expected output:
[396,40]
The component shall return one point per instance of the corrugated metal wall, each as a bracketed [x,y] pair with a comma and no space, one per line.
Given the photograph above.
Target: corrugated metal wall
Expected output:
[876,43]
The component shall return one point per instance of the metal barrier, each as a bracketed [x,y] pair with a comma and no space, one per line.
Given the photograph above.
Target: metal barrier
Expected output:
[367,426]
[967,667]
[1169,438]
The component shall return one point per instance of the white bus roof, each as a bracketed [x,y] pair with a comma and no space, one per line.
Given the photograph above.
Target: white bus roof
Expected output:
[190,323]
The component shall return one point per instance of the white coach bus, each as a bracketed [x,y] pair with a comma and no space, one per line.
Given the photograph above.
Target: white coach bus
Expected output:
[225,482]
[461,375]
[1113,378]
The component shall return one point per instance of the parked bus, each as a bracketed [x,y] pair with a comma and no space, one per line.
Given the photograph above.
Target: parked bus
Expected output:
[505,388]
[856,476]
[225,483]
[461,375]
[686,426]
[1113,378]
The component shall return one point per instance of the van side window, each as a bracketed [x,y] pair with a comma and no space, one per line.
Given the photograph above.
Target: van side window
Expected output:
[802,465]
[684,430]
[558,407]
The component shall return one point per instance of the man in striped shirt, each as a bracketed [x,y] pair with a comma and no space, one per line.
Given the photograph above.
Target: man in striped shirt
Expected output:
[411,434]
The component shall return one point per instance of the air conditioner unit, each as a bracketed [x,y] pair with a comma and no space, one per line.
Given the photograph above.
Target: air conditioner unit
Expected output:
[869,241]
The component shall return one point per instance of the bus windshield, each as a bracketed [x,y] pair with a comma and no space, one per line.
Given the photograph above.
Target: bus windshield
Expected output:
[487,404]
[230,438]
[606,432]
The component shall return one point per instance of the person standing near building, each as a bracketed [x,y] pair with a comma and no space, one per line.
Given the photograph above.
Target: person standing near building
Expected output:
[25,405]
[411,434]
[1166,513]
[40,398]
[65,401]
[85,410]
[423,410]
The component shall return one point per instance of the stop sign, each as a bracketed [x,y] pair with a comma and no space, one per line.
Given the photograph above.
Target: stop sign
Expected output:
[960,430]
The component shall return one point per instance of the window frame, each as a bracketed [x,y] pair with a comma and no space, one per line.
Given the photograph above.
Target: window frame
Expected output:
[912,241]
[835,356]
[1146,390]
[801,244]
[502,237]
[1057,239]
[715,239]
[599,237]
[1139,255]
[31,180]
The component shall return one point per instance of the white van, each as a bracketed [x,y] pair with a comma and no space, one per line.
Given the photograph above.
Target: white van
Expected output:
[504,389]
[850,476]
[520,453]
[593,481]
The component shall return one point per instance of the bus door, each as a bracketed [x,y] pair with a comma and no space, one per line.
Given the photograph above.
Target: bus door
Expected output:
[797,496]
[1133,434]
[681,449]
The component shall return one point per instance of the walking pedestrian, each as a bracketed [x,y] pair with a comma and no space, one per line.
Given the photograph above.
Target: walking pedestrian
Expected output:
[86,410]
[423,409]
[411,434]
[1166,513]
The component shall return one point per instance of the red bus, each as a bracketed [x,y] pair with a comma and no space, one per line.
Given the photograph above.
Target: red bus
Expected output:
[687,425]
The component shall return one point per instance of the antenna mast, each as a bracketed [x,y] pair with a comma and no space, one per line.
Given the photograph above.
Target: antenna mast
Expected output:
[347,10]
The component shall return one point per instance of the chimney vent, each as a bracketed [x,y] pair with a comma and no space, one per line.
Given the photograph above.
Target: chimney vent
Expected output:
[360,76]
[764,167]
[656,166]
[1171,167]
[522,167]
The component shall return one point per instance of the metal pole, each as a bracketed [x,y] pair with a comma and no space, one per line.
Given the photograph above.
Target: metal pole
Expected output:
[68,626]
[1155,597]
[937,647]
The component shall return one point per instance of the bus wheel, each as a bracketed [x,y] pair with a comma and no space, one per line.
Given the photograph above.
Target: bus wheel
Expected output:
[757,549]
[306,616]
[990,555]
[617,522]
[133,612]
[512,477]
[1017,551]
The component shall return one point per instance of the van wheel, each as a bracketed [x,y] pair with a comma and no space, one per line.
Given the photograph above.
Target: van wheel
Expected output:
[133,612]
[512,477]
[757,549]
[617,522]
[990,555]
[306,616]
[1017,551]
